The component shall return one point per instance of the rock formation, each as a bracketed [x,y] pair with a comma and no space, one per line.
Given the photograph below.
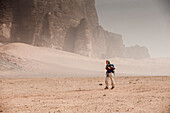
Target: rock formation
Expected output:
[69,25]
[136,51]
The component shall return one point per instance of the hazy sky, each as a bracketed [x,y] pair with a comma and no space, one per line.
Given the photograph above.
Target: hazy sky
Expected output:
[143,22]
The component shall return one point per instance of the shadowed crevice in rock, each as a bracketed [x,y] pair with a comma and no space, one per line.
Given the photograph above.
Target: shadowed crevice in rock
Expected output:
[70,38]
[22,24]
[45,33]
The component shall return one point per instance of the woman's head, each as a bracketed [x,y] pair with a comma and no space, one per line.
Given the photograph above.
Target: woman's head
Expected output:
[107,62]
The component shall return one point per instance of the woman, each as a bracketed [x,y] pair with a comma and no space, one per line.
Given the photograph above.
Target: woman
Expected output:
[109,74]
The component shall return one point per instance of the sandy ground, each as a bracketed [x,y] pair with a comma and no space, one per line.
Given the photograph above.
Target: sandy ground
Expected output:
[84,95]
[32,81]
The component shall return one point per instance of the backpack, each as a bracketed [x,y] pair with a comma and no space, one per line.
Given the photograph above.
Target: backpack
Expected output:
[113,66]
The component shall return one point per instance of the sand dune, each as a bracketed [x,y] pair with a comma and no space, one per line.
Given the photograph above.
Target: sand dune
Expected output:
[22,60]
[38,61]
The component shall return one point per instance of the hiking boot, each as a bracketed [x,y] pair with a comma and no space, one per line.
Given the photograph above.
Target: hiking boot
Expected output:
[106,88]
[112,87]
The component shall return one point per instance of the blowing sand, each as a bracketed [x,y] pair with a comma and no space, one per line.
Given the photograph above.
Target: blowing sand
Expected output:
[84,95]
[18,60]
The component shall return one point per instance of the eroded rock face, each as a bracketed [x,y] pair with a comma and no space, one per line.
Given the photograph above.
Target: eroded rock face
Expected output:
[69,25]
[135,51]
[83,43]
[6,18]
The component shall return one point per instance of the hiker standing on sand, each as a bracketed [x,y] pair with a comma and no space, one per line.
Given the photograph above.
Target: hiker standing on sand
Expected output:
[109,74]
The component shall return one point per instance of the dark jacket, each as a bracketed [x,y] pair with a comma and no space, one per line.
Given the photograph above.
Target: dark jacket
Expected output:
[111,69]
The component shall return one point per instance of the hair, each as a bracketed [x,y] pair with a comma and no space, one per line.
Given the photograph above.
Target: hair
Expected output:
[108,61]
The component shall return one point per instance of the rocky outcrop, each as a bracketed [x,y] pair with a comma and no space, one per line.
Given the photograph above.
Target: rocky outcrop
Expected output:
[107,44]
[136,51]
[69,25]
[83,43]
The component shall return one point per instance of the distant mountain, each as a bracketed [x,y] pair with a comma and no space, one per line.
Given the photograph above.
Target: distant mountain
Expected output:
[69,25]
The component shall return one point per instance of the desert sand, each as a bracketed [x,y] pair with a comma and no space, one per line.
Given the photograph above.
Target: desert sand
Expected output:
[84,95]
[18,60]
[45,80]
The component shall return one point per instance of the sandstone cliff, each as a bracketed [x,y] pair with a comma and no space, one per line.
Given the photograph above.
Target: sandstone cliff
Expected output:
[136,51]
[69,25]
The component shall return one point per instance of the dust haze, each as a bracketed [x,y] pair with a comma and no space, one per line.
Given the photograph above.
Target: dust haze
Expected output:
[130,37]
[53,56]
[145,22]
